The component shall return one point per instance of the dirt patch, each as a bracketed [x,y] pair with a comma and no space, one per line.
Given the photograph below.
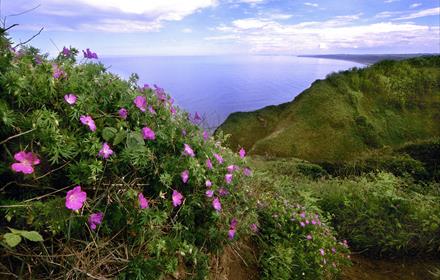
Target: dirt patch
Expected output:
[238,262]
[385,269]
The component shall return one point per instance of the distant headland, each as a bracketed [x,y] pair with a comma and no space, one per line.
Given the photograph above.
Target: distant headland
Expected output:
[367,58]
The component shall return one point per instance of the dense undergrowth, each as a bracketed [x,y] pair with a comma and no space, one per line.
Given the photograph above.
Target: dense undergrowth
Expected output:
[379,213]
[103,178]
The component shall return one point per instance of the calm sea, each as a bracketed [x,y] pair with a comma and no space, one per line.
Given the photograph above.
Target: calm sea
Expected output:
[216,86]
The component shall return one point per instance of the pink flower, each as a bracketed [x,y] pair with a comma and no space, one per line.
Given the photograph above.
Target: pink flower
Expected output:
[177,198]
[254,228]
[231,233]
[197,119]
[95,219]
[216,204]
[185,176]
[151,110]
[75,198]
[140,102]
[333,250]
[25,163]
[302,215]
[242,153]
[219,158]
[322,252]
[209,164]
[309,237]
[188,151]
[143,202]
[105,151]
[172,110]
[208,183]
[302,224]
[234,223]
[228,178]
[148,133]
[123,113]
[87,120]
[205,135]
[232,168]
[223,192]
[247,172]
[70,98]
[209,193]
[313,222]
[57,72]
[89,54]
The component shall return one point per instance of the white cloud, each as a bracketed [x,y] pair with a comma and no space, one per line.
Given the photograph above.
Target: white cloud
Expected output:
[311,4]
[187,30]
[391,1]
[120,25]
[415,5]
[222,37]
[343,32]
[250,1]
[387,14]
[280,16]
[423,13]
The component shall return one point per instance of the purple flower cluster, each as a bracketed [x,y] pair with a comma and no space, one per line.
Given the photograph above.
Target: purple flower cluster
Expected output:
[89,54]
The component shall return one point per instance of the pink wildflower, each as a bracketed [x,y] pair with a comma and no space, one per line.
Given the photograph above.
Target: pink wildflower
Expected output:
[143,202]
[216,204]
[231,168]
[123,113]
[57,72]
[209,164]
[95,219]
[185,176]
[140,102]
[223,192]
[209,193]
[228,178]
[205,135]
[177,198]
[208,183]
[105,151]
[25,163]
[242,153]
[309,237]
[75,198]
[148,133]
[254,228]
[70,98]
[87,120]
[231,233]
[247,172]
[322,252]
[188,151]
[219,158]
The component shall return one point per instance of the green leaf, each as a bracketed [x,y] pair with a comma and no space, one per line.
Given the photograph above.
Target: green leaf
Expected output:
[134,139]
[12,239]
[32,235]
[108,133]
[120,136]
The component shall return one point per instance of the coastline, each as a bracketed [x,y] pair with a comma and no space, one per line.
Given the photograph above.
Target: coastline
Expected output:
[367,59]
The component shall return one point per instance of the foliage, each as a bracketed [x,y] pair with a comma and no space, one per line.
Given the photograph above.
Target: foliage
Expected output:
[65,115]
[295,238]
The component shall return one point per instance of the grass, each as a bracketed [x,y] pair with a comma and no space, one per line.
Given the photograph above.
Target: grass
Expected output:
[348,113]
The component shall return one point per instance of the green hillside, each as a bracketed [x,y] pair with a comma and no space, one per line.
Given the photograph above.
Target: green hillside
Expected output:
[347,114]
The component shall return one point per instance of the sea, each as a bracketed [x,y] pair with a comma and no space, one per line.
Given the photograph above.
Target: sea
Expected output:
[216,86]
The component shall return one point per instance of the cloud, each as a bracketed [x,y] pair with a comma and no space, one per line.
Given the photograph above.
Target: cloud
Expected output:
[338,33]
[113,15]
[423,13]
[187,30]
[222,37]
[391,1]
[415,5]
[387,14]
[311,4]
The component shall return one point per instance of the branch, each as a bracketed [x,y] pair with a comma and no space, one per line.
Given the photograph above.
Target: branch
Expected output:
[17,135]
[30,39]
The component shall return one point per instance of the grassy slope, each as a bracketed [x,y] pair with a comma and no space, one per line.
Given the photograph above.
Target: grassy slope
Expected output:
[348,113]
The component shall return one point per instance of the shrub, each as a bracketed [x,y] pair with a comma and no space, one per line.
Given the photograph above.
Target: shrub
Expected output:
[381,215]
[294,238]
[112,175]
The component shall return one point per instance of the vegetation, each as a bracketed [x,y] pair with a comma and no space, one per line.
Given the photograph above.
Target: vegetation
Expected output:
[348,114]
[101,178]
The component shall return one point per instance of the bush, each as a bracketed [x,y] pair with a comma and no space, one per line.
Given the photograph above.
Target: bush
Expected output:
[142,166]
[381,215]
[295,239]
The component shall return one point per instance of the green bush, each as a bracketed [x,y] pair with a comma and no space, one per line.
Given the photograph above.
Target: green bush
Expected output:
[295,239]
[61,125]
[381,214]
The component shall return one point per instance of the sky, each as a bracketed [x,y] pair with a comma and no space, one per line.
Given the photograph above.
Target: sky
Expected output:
[227,27]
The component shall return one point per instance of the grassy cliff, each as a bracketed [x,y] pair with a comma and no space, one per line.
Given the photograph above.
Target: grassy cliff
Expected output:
[347,114]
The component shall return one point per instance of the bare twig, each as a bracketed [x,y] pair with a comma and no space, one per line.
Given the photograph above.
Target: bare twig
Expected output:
[52,171]
[30,39]
[17,135]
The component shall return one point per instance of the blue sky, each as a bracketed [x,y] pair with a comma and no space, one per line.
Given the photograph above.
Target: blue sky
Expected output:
[211,27]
